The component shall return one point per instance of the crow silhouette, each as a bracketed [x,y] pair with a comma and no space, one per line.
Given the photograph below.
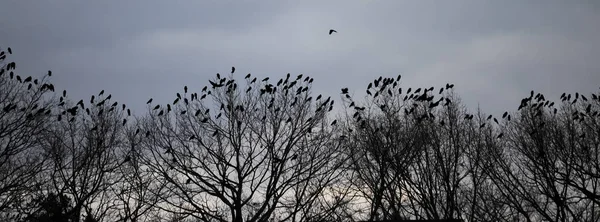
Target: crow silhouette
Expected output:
[332,31]
[215,85]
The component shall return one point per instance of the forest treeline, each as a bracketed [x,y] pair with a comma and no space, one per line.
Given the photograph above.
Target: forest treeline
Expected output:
[254,149]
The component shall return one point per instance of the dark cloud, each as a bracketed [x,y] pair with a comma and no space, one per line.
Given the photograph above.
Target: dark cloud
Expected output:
[494,51]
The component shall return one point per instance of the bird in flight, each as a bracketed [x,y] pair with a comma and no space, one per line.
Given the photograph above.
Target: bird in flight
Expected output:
[332,31]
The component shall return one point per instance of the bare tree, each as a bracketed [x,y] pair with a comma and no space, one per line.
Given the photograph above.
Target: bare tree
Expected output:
[24,113]
[390,135]
[547,169]
[418,156]
[136,196]
[264,152]
[83,146]
[438,176]
[479,134]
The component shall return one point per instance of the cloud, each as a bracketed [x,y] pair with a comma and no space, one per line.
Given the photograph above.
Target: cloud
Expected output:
[494,52]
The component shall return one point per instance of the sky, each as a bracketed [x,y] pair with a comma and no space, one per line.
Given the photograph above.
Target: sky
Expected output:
[495,52]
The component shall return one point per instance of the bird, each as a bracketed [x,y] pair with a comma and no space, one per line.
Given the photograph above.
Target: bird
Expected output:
[149,101]
[232,70]
[332,31]
[215,85]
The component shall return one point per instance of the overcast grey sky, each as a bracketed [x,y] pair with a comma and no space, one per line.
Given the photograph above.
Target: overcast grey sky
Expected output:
[495,52]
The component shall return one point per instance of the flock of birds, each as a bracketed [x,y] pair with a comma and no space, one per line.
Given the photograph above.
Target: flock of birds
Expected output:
[389,86]
[287,86]
[377,88]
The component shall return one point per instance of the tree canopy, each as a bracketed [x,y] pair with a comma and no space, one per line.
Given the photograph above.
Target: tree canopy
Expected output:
[269,149]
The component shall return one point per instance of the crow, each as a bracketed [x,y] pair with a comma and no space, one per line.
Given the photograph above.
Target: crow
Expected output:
[215,85]
[332,31]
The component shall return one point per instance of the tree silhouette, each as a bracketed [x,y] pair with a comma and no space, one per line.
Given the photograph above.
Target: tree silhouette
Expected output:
[254,153]
[83,148]
[24,114]
[137,194]
[551,174]
[403,163]
[254,150]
